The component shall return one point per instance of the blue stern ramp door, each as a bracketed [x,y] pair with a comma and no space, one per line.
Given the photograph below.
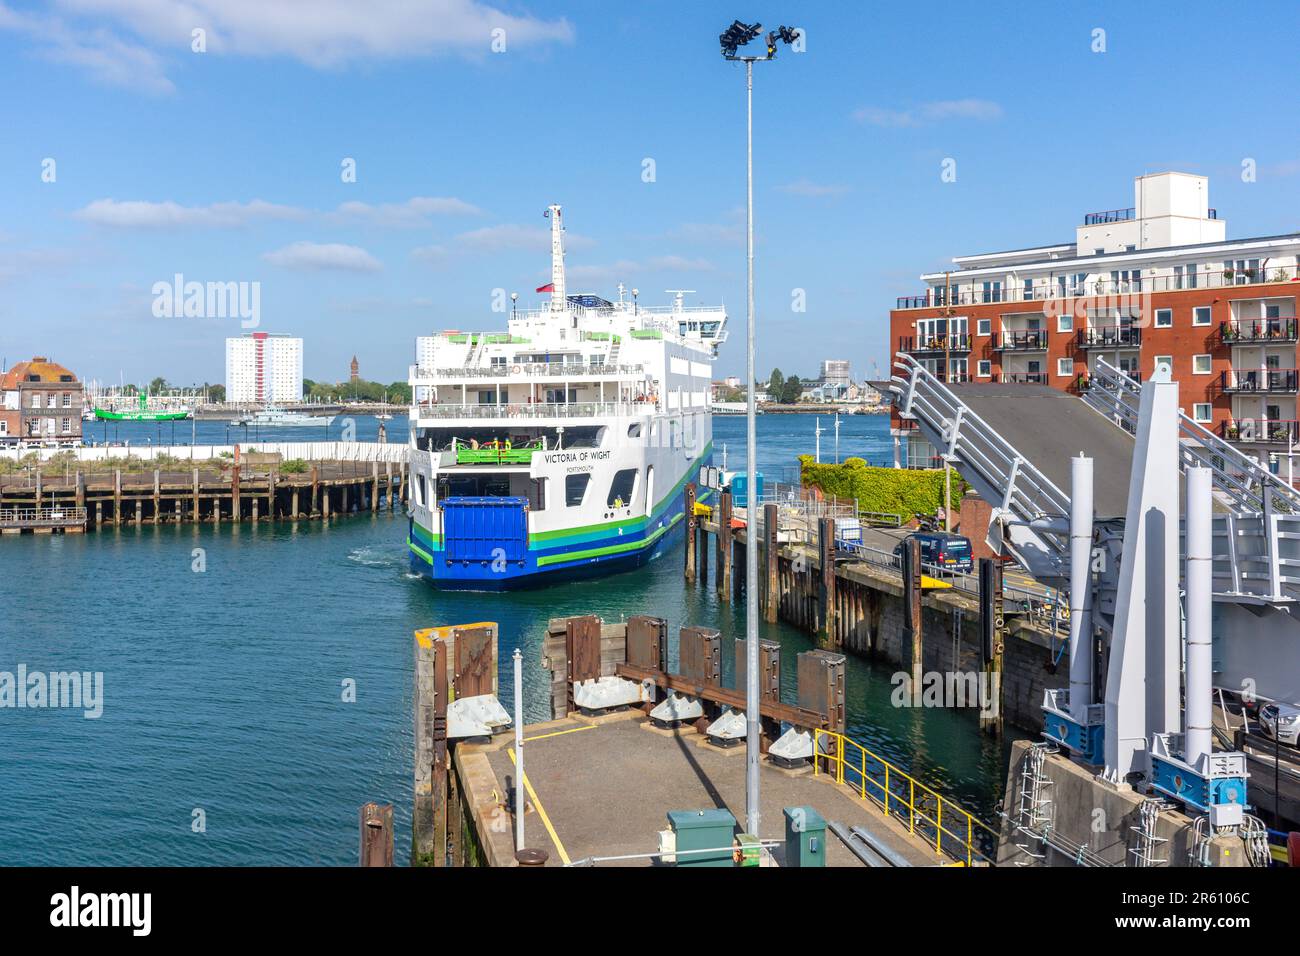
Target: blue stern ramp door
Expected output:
[483,530]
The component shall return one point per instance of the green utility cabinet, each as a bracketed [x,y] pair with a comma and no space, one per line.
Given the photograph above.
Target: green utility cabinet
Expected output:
[805,837]
[703,830]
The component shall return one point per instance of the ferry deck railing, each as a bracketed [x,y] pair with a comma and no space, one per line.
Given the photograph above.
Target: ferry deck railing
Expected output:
[954,831]
[535,410]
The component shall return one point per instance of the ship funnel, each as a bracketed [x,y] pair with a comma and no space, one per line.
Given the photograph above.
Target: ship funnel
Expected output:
[557,258]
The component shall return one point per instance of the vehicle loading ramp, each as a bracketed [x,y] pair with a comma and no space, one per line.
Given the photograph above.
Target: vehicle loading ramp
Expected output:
[1048,427]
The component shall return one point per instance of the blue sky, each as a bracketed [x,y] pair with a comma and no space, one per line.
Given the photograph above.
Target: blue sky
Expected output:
[225,165]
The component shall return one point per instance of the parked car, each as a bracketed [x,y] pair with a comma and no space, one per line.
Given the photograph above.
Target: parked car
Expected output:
[942,550]
[1280,722]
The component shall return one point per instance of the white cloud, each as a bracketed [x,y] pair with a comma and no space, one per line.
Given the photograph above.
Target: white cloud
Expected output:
[323,33]
[143,214]
[628,269]
[322,257]
[146,214]
[513,236]
[415,211]
[110,59]
[803,187]
[927,113]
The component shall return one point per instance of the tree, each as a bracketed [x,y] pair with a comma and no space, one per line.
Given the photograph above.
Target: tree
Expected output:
[158,386]
[775,383]
[790,390]
[216,393]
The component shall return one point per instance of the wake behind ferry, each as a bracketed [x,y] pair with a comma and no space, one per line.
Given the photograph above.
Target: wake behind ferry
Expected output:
[561,447]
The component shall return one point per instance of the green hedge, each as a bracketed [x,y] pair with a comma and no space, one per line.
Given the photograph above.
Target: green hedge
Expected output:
[902,491]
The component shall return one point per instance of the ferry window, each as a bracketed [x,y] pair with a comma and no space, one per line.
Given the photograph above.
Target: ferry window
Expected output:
[487,396]
[498,361]
[620,490]
[1201,315]
[575,489]
[634,430]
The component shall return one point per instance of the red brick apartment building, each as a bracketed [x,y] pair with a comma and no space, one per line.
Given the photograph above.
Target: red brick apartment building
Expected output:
[40,403]
[1155,283]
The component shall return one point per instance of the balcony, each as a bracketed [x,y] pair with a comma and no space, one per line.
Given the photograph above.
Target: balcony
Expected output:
[1257,381]
[1259,331]
[1109,337]
[1023,378]
[1261,431]
[1051,288]
[956,342]
[1022,340]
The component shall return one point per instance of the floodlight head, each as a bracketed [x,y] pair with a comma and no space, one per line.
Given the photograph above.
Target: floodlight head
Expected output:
[737,35]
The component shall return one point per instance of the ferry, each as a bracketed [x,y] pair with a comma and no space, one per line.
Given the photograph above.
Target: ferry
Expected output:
[560,447]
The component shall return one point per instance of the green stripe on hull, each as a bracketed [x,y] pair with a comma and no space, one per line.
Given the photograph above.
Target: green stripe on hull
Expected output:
[610,549]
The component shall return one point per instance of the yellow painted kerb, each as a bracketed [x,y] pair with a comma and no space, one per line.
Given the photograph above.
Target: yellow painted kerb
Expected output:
[541,813]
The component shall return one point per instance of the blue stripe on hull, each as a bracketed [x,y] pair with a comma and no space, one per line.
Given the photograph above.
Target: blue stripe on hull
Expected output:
[480,576]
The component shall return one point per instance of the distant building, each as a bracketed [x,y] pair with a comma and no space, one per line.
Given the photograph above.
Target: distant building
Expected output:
[356,369]
[264,367]
[40,401]
[732,381]
[835,372]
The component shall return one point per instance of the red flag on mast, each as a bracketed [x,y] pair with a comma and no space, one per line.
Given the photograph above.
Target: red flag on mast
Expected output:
[549,287]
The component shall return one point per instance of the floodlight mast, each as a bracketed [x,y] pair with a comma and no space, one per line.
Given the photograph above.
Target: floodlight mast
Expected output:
[731,39]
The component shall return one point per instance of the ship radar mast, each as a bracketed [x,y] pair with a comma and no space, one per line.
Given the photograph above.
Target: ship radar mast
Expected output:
[678,295]
[557,258]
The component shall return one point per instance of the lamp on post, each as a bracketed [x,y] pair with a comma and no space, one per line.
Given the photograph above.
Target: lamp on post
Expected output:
[731,39]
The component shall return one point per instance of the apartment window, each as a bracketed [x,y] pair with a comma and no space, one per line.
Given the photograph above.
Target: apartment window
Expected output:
[984,368]
[1029,289]
[983,326]
[620,490]
[67,426]
[1202,412]
[1164,318]
[1185,277]
[575,488]
[1200,364]
[4,427]
[1167,360]
[36,399]
[992,291]
[1065,366]
[67,399]
[1065,323]
[1201,315]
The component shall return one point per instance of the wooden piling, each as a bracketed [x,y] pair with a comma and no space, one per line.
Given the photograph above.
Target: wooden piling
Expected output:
[771,558]
[374,486]
[117,496]
[828,611]
[157,494]
[376,835]
[690,532]
[293,504]
[81,490]
[912,608]
[429,815]
[724,547]
[315,489]
[235,510]
[195,496]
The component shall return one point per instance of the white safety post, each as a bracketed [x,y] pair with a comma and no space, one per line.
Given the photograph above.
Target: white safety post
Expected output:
[1081,643]
[1200,597]
[519,750]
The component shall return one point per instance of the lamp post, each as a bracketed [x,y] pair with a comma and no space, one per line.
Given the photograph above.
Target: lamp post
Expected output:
[731,39]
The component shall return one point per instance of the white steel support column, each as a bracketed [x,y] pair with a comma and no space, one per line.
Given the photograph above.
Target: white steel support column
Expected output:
[1142,685]
[753,719]
[1081,635]
[1200,597]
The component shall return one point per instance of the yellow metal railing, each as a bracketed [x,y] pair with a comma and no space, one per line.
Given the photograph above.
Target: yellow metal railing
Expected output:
[953,830]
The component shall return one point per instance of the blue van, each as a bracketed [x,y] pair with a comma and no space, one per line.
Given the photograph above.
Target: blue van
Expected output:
[943,550]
